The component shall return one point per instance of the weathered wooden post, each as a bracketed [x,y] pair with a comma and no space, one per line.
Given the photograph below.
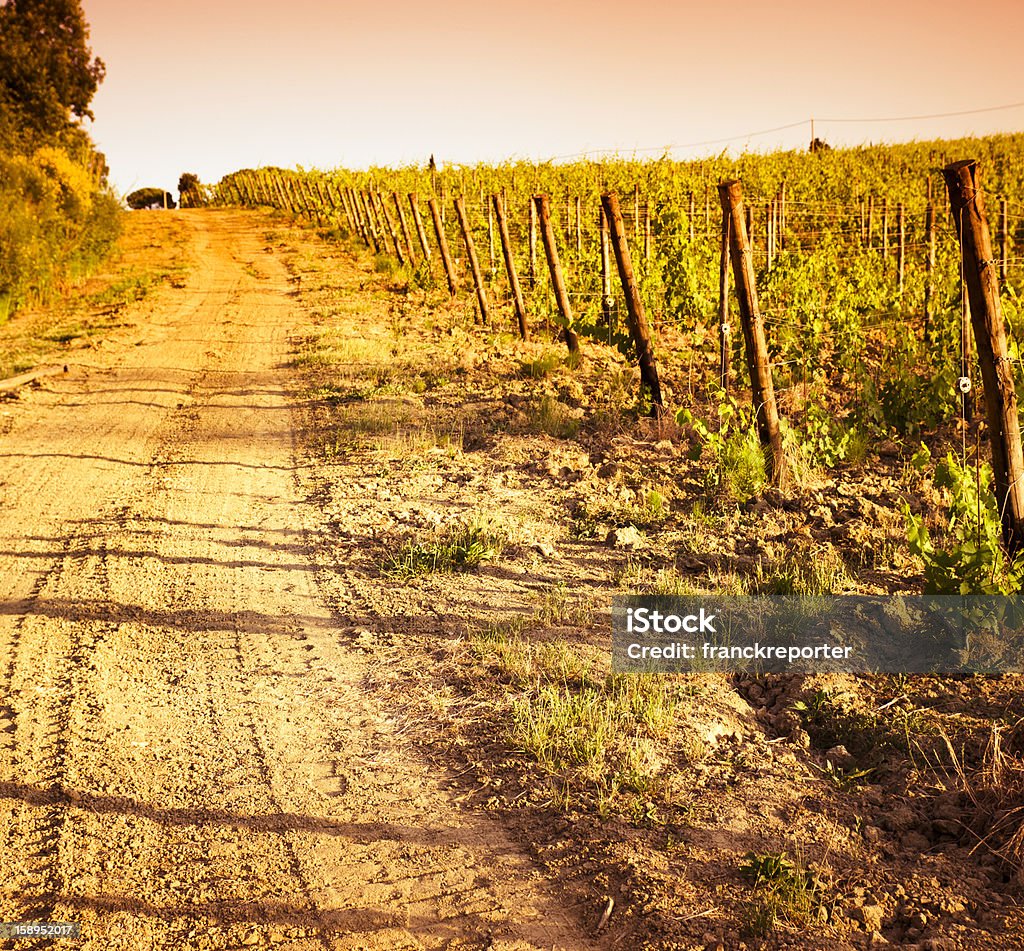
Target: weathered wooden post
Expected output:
[871,221]
[929,273]
[547,234]
[442,247]
[901,237]
[510,265]
[579,229]
[414,207]
[638,327]
[392,230]
[782,217]
[474,264]
[981,276]
[723,305]
[763,391]
[371,224]
[490,242]
[885,233]
[606,275]
[533,244]
[405,228]
[1004,238]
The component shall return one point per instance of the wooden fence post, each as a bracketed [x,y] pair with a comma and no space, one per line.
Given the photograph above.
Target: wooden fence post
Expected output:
[490,242]
[606,275]
[392,230]
[763,391]
[885,232]
[361,218]
[474,264]
[414,207]
[782,217]
[901,237]
[405,228]
[638,328]
[547,234]
[929,273]
[1004,238]
[370,223]
[693,211]
[723,305]
[579,229]
[442,247]
[871,221]
[981,276]
[510,266]
[533,244]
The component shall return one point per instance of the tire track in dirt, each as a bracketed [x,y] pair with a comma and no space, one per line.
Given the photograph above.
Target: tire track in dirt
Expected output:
[206,768]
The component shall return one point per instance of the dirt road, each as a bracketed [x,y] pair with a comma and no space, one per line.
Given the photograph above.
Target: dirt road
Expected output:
[188,756]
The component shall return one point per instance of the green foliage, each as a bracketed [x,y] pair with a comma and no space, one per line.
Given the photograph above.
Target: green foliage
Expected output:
[826,439]
[149,198]
[974,561]
[53,223]
[462,548]
[787,890]
[48,74]
[190,191]
[56,218]
[736,462]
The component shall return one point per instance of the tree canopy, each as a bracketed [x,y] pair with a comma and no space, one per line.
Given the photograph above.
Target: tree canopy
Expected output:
[48,74]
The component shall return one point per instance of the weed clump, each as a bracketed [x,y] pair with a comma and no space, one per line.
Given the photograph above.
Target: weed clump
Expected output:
[462,547]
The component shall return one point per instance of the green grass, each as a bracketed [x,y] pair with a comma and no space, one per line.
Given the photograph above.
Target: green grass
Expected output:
[553,418]
[785,890]
[462,547]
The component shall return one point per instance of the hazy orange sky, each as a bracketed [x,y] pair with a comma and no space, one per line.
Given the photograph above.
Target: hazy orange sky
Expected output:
[209,87]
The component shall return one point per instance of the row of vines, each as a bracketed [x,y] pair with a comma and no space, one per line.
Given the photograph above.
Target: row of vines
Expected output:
[856,259]
[842,295]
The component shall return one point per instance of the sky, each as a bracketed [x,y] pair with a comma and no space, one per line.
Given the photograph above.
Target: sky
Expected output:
[211,87]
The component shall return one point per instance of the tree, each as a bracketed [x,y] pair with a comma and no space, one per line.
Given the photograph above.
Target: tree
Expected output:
[190,190]
[150,198]
[48,74]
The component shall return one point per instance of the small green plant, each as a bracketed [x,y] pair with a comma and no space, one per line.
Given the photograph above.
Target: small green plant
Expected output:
[805,572]
[844,778]
[461,548]
[825,439]
[553,418]
[788,891]
[558,606]
[541,366]
[732,448]
[600,743]
[974,561]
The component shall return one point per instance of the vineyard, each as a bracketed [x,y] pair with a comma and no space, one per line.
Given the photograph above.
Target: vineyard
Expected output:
[855,274]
